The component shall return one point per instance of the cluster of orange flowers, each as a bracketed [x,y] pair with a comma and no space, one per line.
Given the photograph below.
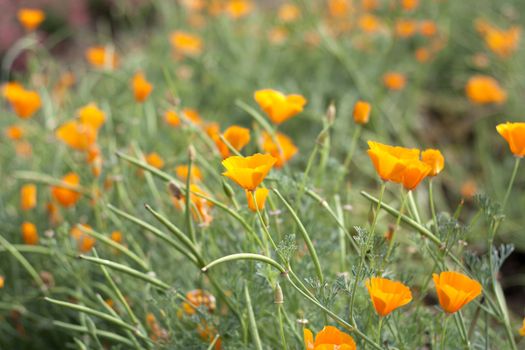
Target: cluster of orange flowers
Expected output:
[454,291]
[404,165]
[501,42]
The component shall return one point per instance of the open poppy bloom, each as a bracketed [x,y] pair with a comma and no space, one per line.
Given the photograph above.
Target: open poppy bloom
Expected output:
[155,160]
[387,295]
[116,236]
[329,338]
[405,28]
[182,173]
[102,57]
[77,135]
[28,197]
[237,137]
[238,8]
[91,115]
[141,87]
[502,42]
[362,112]
[434,159]
[455,290]
[186,43]
[389,161]
[24,102]
[14,132]
[30,18]
[415,171]
[260,198]
[514,134]
[29,233]
[278,106]
[394,81]
[283,150]
[64,196]
[289,12]
[248,172]
[192,115]
[482,89]
[172,118]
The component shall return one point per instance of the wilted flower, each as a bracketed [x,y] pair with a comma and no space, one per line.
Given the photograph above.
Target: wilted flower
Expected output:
[387,295]
[248,172]
[30,18]
[514,134]
[482,89]
[29,233]
[455,290]
[260,198]
[28,197]
[141,87]
[362,112]
[64,196]
[186,43]
[328,338]
[277,106]
[102,57]
[283,150]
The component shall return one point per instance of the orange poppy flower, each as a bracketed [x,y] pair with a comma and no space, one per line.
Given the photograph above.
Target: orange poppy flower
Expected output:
[369,23]
[328,338]
[514,134]
[260,197]
[116,236]
[394,81]
[141,87]
[102,57]
[414,172]
[199,298]
[522,329]
[172,118]
[29,233]
[283,150]
[422,54]
[192,115]
[182,173]
[86,243]
[369,5]
[24,102]
[339,8]
[155,160]
[502,42]
[482,89]
[28,197]
[428,28]
[468,189]
[64,196]
[248,172]
[434,159]
[30,18]
[387,295]
[405,28]
[200,207]
[362,112]
[186,43]
[390,161]
[279,107]
[289,12]
[76,232]
[14,132]
[77,135]
[91,115]
[409,5]
[277,35]
[2,280]
[455,290]
[237,137]
[238,8]
[208,332]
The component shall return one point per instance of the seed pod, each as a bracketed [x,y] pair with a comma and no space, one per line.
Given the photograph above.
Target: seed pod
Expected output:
[278,296]
[175,190]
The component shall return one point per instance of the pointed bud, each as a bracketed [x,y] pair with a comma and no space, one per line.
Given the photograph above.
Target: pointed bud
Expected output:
[191,152]
[278,296]
[330,113]
[175,190]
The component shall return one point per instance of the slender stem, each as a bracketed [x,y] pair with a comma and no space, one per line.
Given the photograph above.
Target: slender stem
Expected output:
[432,205]
[253,322]
[379,327]
[392,239]
[511,182]
[444,332]
[351,151]
[413,207]
[281,326]
[188,201]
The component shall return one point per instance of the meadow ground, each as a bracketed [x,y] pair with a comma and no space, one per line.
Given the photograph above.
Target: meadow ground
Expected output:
[264,175]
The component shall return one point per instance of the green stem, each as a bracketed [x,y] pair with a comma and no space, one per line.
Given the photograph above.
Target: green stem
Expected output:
[432,205]
[351,151]
[392,239]
[253,322]
[511,182]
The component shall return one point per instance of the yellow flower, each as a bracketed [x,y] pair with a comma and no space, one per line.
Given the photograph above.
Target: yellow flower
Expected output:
[455,290]
[91,115]
[283,150]
[237,137]
[30,18]
[362,112]
[387,295]
[77,135]
[29,233]
[482,89]
[329,338]
[238,8]
[434,159]
[248,172]
[186,43]
[514,134]
[277,106]
[28,197]
[141,87]
[260,198]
